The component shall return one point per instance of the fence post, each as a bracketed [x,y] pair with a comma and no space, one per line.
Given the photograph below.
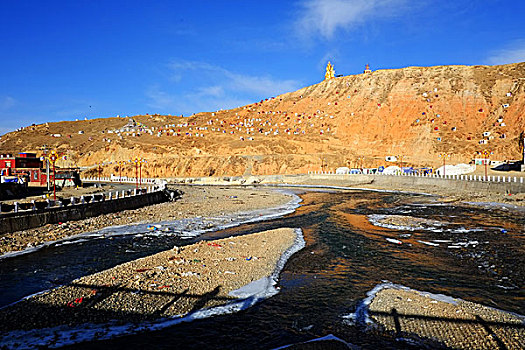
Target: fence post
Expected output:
[16,207]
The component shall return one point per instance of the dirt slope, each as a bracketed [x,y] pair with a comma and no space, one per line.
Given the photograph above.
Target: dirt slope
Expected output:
[414,113]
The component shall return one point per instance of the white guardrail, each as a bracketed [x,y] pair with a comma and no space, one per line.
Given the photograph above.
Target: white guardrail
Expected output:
[125,179]
[489,178]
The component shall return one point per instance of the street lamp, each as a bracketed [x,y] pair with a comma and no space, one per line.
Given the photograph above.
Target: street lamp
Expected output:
[444,156]
[99,167]
[138,164]
[360,160]
[486,155]
[140,170]
[136,160]
[45,156]
[53,156]
[120,170]
[400,160]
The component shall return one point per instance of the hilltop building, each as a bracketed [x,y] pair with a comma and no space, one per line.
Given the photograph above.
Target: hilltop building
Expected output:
[330,71]
[367,69]
[130,126]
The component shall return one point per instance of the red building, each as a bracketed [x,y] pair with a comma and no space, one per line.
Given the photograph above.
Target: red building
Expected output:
[24,165]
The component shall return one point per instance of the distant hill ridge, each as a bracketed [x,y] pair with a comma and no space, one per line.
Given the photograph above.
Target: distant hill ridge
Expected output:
[415,113]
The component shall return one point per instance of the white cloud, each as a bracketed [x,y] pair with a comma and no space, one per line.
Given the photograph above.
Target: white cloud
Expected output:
[261,85]
[331,56]
[513,53]
[7,102]
[162,101]
[214,91]
[325,17]
[233,81]
[201,86]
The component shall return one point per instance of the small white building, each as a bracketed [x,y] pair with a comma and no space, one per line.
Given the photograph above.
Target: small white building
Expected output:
[342,170]
[391,158]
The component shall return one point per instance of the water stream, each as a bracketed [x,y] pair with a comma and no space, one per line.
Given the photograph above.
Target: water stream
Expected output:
[352,244]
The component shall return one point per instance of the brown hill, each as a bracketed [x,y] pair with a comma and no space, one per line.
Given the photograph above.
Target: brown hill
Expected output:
[414,113]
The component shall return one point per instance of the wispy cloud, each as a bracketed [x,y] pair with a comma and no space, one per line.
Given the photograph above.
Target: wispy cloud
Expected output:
[7,102]
[233,81]
[324,17]
[196,86]
[512,53]
[163,101]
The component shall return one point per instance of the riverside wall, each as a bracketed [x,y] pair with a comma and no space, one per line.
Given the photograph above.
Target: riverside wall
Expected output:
[464,183]
[12,222]
[415,183]
[470,186]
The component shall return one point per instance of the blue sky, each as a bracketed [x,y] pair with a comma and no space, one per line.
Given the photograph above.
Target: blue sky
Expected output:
[67,60]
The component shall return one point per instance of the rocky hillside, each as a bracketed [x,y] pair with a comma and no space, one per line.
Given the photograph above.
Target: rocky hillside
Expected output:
[415,113]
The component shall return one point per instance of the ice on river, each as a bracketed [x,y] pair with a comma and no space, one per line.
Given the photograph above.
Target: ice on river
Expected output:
[412,223]
[247,296]
[184,228]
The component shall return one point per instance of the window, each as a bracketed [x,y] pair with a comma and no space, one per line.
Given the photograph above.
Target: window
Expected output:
[7,164]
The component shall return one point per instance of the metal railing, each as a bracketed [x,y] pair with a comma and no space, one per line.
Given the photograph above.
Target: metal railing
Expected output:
[488,178]
[38,206]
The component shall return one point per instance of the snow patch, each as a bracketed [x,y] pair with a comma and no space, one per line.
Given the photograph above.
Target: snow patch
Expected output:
[63,335]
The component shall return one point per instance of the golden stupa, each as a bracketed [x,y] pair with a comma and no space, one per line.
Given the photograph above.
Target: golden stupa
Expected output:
[330,72]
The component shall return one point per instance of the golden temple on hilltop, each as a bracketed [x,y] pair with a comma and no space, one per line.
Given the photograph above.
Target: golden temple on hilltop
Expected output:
[367,69]
[330,71]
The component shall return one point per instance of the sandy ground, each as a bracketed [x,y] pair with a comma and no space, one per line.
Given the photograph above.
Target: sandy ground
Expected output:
[196,201]
[175,282]
[452,195]
[446,194]
[458,325]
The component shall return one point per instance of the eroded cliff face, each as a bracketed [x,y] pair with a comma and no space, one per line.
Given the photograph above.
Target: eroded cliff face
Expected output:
[415,113]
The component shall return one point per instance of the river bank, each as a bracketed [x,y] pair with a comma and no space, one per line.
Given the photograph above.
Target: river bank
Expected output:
[447,190]
[439,320]
[154,292]
[195,202]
